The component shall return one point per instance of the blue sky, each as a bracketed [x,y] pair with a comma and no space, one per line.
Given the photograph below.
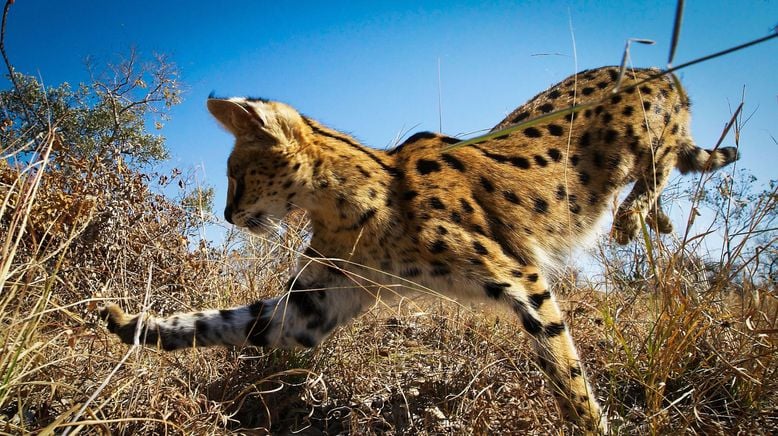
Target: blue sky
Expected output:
[370,68]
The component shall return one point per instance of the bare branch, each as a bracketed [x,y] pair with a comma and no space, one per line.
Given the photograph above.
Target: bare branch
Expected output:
[12,76]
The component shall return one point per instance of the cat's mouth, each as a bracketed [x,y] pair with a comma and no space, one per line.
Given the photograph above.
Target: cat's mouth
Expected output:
[261,223]
[256,222]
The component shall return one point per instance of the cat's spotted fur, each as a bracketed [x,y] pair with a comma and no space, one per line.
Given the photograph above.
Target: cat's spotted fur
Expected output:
[480,221]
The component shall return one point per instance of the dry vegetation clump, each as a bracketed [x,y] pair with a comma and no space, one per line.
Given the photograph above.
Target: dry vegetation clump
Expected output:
[700,362]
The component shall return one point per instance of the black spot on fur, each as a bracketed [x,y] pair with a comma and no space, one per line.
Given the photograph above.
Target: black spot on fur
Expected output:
[584,178]
[541,206]
[546,108]
[531,324]
[487,185]
[533,277]
[561,192]
[555,130]
[554,329]
[586,139]
[540,160]
[587,91]
[519,162]
[466,207]
[610,136]
[554,94]
[575,371]
[616,99]
[435,203]
[512,197]
[520,117]
[574,207]
[537,300]
[364,172]
[555,154]
[479,248]
[532,132]
[645,90]
[602,85]
[495,290]
[305,300]
[456,217]
[614,161]
[426,166]
[438,247]
[501,158]
[453,162]
[442,230]
[201,327]
[516,273]
[646,105]
[410,195]
[598,159]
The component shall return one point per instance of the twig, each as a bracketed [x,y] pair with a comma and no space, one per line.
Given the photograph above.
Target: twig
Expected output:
[729,125]
[625,58]
[676,30]
[11,75]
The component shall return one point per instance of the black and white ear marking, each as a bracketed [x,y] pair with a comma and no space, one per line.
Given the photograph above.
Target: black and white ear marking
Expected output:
[234,116]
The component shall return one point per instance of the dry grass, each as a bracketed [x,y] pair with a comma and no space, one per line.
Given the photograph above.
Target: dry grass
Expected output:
[672,349]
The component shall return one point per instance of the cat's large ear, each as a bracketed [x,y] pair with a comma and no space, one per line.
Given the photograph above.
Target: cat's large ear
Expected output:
[234,116]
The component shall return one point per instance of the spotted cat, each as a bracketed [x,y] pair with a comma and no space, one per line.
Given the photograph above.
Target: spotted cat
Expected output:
[485,220]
